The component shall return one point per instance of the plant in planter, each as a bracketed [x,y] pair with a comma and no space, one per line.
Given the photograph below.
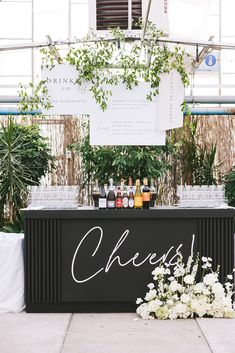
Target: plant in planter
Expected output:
[230,186]
[24,158]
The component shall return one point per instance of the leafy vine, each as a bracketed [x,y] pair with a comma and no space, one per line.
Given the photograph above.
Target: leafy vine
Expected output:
[37,99]
[105,63]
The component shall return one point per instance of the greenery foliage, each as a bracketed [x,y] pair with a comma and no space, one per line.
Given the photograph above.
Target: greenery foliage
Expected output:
[197,162]
[230,186]
[24,158]
[33,97]
[105,63]
[103,162]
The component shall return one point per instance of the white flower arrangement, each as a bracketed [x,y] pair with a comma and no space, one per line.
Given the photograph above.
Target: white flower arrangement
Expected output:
[175,293]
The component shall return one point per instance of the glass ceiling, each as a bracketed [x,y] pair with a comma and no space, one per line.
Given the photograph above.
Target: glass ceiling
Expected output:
[31,20]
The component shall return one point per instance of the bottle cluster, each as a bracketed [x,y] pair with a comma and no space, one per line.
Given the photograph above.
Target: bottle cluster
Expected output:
[125,197]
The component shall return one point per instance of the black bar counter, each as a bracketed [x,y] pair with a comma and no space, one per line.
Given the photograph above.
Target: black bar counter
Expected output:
[88,260]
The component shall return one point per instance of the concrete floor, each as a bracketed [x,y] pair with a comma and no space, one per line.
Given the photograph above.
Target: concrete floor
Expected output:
[112,333]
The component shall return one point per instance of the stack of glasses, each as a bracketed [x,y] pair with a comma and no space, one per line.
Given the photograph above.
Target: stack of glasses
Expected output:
[53,197]
[193,196]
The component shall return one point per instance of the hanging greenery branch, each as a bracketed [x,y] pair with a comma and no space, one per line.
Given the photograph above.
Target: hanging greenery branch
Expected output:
[33,97]
[105,63]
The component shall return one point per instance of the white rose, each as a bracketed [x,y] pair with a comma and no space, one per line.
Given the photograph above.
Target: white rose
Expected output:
[229,276]
[204,259]
[158,271]
[182,310]
[153,305]
[210,279]
[206,291]
[217,289]
[173,286]
[185,298]
[179,271]
[175,297]
[150,286]
[143,311]
[179,287]
[150,295]
[189,279]
[198,288]
[169,302]
[139,301]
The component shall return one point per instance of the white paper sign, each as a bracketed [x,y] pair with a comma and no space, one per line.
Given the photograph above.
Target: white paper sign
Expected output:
[66,96]
[169,100]
[130,119]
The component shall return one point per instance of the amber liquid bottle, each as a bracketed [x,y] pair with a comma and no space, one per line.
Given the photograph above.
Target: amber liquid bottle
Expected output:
[119,199]
[138,202]
[146,194]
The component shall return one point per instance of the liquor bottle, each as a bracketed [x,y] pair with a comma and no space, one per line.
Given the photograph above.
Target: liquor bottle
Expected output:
[130,183]
[119,199]
[125,199]
[138,202]
[153,194]
[95,194]
[111,195]
[106,189]
[102,199]
[146,194]
[131,198]
[122,186]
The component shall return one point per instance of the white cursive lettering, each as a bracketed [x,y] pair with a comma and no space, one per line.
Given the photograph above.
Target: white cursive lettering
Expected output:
[151,257]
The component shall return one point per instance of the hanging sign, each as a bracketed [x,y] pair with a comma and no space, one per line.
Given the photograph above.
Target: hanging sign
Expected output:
[169,101]
[130,119]
[158,14]
[211,62]
[66,96]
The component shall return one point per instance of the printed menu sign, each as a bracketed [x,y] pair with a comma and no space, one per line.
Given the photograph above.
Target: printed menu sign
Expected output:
[67,97]
[169,100]
[130,119]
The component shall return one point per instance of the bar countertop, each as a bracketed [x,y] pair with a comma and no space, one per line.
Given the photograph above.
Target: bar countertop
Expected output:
[158,212]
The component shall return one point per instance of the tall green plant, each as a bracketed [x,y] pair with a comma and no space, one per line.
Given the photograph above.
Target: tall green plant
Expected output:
[197,162]
[230,186]
[24,158]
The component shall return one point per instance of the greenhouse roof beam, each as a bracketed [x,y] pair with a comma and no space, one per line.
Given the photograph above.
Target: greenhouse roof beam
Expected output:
[134,37]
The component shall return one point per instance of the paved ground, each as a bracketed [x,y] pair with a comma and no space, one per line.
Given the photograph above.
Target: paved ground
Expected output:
[112,333]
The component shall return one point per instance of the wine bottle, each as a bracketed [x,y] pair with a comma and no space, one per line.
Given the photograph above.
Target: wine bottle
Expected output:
[122,185]
[131,198]
[125,198]
[111,195]
[119,198]
[153,194]
[106,189]
[102,199]
[138,202]
[129,183]
[146,194]
[96,194]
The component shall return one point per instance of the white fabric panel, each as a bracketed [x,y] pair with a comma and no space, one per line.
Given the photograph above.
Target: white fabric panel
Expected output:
[11,272]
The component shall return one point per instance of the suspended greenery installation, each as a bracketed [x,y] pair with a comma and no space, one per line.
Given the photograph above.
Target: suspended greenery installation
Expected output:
[105,63]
